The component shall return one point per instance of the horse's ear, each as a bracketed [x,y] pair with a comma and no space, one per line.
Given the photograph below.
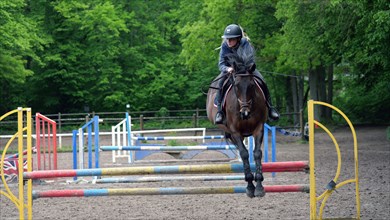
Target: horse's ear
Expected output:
[252,68]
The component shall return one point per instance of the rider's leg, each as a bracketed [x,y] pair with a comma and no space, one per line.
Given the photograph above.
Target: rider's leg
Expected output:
[272,112]
[219,116]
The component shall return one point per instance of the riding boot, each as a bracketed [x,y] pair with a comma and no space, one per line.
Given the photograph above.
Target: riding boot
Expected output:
[272,112]
[220,115]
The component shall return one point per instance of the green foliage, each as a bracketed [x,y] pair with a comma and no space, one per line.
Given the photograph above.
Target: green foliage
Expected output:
[363,104]
[61,56]
[173,143]
[366,91]
[19,42]
[163,112]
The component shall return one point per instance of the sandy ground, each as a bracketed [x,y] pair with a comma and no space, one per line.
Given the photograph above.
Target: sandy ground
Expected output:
[374,176]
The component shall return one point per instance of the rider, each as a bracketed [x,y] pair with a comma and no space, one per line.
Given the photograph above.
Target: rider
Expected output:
[233,39]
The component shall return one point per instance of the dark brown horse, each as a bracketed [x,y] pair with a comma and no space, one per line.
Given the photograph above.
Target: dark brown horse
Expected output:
[246,113]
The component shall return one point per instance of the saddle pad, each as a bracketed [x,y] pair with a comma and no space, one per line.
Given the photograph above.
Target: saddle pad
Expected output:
[228,90]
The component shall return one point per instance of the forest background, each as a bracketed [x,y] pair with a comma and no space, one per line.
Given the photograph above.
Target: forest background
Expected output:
[66,55]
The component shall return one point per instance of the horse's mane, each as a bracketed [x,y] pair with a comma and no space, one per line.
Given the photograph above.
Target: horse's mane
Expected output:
[242,59]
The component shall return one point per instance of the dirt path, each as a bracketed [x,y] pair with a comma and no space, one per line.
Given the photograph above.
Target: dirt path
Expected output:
[374,174]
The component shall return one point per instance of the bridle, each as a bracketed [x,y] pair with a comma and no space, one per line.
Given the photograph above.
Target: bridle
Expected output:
[243,105]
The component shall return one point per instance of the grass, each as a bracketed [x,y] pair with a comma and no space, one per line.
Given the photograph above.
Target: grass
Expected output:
[63,149]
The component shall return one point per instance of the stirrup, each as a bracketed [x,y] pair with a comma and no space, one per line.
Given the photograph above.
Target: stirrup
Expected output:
[219,118]
[273,114]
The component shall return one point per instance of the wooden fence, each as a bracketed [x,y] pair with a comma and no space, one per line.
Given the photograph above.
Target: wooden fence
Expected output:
[146,120]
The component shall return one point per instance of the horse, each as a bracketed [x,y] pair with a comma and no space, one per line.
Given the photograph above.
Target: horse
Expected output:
[245,115]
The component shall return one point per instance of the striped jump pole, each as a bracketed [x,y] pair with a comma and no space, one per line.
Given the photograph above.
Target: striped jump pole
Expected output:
[167,178]
[163,191]
[161,138]
[15,156]
[294,166]
[169,148]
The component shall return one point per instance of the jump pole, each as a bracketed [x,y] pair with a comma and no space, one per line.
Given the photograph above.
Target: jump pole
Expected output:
[167,178]
[164,191]
[162,138]
[294,166]
[169,148]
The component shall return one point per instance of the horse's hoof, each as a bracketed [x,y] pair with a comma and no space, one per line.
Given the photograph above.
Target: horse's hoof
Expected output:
[250,194]
[250,190]
[259,192]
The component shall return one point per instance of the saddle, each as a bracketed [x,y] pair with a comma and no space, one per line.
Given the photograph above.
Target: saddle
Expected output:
[227,86]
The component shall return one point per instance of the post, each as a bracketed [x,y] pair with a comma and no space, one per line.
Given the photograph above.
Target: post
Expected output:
[128,108]
[141,122]
[74,146]
[96,130]
[313,201]
[197,117]
[301,124]
[194,121]
[128,126]
[59,122]
[38,140]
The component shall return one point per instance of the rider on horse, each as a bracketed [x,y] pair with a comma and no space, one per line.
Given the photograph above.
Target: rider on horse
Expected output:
[233,40]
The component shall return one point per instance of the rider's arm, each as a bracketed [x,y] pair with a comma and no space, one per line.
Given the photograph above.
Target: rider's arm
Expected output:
[222,65]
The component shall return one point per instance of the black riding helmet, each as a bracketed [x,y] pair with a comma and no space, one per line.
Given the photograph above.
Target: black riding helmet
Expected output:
[232,31]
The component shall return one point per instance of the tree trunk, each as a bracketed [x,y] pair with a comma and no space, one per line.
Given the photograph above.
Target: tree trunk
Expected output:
[301,89]
[328,113]
[277,99]
[294,92]
[313,81]
[321,89]
[289,98]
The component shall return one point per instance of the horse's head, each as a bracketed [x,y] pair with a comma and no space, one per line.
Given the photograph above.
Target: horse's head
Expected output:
[244,88]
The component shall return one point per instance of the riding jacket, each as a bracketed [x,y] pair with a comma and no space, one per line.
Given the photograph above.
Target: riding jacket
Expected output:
[225,49]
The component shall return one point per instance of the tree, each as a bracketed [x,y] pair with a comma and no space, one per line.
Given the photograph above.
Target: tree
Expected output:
[151,69]
[201,39]
[80,65]
[20,38]
[366,60]
[65,55]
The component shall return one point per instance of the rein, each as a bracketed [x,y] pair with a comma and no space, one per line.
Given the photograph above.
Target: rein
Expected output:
[217,79]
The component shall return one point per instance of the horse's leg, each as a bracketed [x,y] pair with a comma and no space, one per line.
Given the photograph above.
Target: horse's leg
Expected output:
[257,154]
[238,141]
